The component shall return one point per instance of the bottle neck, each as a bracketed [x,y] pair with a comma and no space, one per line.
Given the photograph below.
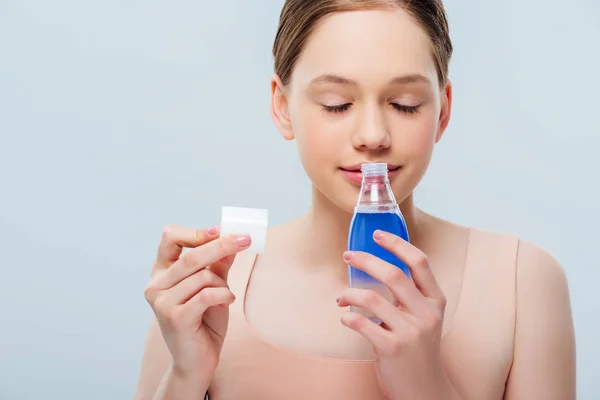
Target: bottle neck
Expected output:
[376,191]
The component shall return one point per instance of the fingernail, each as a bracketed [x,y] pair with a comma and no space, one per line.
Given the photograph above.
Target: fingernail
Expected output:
[214,230]
[348,255]
[378,234]
[243,240]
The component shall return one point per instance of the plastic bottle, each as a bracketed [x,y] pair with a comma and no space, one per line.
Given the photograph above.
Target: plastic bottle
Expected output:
[375,209]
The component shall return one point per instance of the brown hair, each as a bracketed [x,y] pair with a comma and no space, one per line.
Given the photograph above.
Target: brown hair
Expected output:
[299,18]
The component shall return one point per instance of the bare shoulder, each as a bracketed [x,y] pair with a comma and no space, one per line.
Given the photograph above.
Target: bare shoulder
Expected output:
[540,276]
[532,261]
[544,363]
[542,284]
[544,350]
[535,261]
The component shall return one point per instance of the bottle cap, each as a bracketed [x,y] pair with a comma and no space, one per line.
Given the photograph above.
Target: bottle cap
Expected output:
[374,169]
[246,221]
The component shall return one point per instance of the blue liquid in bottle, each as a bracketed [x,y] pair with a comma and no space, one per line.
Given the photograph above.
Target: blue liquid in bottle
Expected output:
[376,209]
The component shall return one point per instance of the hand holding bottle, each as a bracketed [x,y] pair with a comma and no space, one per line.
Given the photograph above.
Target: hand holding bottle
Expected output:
[190,297]
[407,343]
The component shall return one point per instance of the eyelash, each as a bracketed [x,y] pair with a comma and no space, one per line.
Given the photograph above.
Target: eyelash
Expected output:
[344,107]
[337,109]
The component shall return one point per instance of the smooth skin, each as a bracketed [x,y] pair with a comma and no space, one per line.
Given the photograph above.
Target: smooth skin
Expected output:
[408,342]
[190,299]
[364,89]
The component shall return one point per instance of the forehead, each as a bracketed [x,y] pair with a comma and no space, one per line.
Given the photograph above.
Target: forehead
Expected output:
[368,46]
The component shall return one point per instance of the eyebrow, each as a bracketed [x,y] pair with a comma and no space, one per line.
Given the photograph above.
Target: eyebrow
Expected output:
[399,80]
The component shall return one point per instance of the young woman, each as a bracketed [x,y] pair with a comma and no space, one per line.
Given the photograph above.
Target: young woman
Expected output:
[485,316]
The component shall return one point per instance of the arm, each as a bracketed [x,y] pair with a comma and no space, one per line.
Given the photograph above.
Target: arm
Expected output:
[544,353]
[155,363]
[157,380]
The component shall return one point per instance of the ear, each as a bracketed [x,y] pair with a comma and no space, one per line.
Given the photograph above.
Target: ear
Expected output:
[279,108]
[445,111]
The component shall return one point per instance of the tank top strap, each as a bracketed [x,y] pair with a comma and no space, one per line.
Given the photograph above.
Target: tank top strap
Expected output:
[488,297]
[239,276]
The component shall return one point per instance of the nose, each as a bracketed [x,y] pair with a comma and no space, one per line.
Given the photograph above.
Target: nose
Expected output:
[371,133]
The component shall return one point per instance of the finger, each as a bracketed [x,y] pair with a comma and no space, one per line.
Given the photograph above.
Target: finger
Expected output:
[375,334]
[416,261]
[221,268]
[201,257]
[175,238]
[190,286]
[370,300]
[209,297]
[391,276]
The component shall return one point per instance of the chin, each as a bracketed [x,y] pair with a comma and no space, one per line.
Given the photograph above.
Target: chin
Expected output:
[343,203]
[338,195]
[346,206]
[405,184]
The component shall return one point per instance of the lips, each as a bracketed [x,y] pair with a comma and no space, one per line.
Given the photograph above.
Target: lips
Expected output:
[353,173]
[357,168]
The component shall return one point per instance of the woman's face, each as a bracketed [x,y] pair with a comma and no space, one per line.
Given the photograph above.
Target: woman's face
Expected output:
[364,89]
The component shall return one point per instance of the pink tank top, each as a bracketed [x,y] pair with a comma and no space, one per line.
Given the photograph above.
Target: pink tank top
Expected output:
[477,348]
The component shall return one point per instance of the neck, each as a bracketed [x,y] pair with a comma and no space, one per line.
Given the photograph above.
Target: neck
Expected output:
[326,229]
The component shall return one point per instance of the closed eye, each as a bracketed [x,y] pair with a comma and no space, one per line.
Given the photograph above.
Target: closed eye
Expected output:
[406,109]
[345,107]
[338,108]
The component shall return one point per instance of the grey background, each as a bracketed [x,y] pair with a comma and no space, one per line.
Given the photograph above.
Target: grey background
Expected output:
[119,117]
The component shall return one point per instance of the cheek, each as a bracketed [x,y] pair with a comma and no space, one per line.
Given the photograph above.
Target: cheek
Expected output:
[317,138]
[416,138]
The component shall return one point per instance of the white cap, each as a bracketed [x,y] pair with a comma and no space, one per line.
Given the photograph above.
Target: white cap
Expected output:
[246,221]
[374,169]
